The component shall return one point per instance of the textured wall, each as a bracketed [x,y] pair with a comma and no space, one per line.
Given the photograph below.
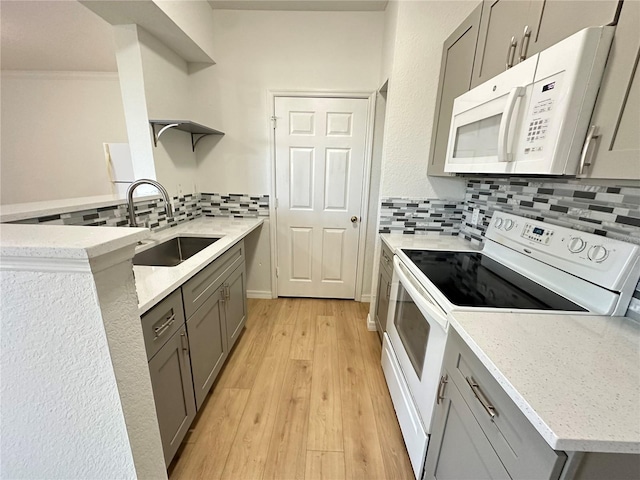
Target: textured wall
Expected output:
[61,412]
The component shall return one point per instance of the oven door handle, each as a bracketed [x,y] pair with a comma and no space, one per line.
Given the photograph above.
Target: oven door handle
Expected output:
[420,296]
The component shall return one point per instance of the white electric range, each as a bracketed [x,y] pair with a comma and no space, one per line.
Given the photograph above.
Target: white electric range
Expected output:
[524,266]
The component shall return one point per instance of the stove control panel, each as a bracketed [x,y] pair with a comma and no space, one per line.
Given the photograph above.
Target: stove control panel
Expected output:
[536,233]
[599,259]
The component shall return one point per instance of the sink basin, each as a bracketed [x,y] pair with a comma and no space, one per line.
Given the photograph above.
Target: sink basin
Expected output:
[172,252]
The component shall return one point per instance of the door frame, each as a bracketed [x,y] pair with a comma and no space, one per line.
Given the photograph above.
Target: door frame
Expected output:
[370,96]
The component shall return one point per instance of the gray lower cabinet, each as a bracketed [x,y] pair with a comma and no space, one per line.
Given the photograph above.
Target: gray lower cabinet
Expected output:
[208,340]
[477,420]
[614,151]
[236,304]
[385,275]
[170,372]
[185,358]
[458,448]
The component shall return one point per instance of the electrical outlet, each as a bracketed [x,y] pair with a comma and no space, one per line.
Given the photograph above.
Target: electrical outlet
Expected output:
[475,217]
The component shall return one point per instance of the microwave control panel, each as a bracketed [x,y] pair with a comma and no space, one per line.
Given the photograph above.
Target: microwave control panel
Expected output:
[542,108]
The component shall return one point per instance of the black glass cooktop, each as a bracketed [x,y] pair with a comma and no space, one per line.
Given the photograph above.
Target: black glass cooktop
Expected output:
[472,279]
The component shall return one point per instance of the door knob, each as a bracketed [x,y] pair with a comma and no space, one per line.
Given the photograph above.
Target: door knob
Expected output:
[354,219]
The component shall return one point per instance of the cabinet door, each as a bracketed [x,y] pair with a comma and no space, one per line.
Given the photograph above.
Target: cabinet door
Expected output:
[559,19]
[455,79]
[616,152]
[501,20]
[382,300]
[208,341]
[458,448]
[236,305]
[173,392]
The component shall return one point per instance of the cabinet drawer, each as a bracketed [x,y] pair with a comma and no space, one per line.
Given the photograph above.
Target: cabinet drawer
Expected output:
[520,447]
[161,322]
[386,259]
[196,291]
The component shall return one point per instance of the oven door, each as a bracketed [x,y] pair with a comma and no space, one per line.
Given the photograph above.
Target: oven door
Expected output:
[412,357]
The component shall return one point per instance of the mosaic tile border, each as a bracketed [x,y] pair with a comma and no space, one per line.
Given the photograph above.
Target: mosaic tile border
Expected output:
[150,212]
[237,205]
[413,216]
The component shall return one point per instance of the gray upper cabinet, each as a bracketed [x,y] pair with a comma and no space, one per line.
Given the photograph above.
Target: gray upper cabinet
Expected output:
[455,79]
[458,448]
[614,150]
[513,30]
[559,19]
[170,373]
[502,31]
[207,337]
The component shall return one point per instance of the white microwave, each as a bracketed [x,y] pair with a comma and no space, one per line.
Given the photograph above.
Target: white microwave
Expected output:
[534,117]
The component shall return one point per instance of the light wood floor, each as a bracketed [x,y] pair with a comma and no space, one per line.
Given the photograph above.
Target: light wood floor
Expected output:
[302,396]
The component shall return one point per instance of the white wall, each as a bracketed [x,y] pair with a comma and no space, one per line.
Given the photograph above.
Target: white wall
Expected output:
[258,51]
[53,128]
[420,30]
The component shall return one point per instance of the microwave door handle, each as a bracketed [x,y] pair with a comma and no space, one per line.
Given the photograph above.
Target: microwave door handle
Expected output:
[504,150]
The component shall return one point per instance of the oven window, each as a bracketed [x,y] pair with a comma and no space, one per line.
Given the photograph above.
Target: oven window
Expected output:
[412,328]
[478,139]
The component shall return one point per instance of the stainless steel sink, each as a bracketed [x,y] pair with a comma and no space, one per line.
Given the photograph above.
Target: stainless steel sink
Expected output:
[172,252]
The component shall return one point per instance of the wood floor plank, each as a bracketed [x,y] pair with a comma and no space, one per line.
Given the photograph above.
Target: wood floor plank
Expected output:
[362,453]
[214,434]
[245,360]
[325,411]
[302,344]
[325,466]
[287,451]
[288,313]
[248,454]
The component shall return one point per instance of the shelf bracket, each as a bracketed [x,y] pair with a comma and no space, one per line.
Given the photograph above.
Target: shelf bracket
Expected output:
[156,135]
[194,140]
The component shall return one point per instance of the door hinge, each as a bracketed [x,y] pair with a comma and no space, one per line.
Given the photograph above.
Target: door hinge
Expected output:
[277,271]
[274,121]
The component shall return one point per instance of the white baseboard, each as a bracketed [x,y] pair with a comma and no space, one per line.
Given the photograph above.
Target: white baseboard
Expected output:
[365,298]
[371,325]
[259,294]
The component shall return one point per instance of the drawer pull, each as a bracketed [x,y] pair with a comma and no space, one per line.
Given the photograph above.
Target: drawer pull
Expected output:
[443,383]
[490,409]
[163,328]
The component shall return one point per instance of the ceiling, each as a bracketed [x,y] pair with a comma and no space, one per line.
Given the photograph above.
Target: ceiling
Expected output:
[54,36]
[301,5]
[59,35]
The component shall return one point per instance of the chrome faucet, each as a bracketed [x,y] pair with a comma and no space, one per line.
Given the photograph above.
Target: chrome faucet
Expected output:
[161,189]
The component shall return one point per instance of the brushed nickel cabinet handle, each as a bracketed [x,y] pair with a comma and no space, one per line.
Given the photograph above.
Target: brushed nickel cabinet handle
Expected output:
[223,294]
[475,388]
[184,342]
[227,291]
[591,134]
[163,328]
[511,53]
[443,383]
[524,46]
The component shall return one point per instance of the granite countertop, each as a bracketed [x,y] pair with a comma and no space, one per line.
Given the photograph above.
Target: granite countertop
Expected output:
[155,283]
[427,242]
[575,377]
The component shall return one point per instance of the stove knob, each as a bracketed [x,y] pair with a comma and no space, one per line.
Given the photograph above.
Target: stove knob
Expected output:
[498,222]
[597,253]
[576,245]
[508,224]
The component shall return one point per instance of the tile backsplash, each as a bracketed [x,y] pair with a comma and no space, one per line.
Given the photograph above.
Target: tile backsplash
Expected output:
[413,216]
[609,211]
[234,205]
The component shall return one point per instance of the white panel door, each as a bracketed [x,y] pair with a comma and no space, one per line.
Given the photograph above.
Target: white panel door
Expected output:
[320,149]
